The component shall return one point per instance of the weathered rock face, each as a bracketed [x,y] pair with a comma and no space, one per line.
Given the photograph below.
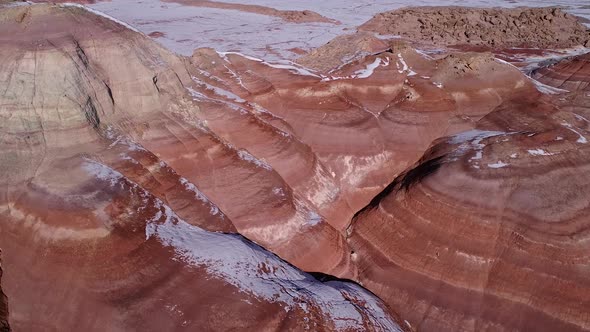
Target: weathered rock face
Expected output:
[493,28]
[116,191]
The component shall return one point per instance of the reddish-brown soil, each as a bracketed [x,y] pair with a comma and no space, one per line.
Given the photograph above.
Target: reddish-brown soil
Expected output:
[492,28]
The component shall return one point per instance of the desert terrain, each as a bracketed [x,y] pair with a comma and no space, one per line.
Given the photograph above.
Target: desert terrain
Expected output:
[288,166]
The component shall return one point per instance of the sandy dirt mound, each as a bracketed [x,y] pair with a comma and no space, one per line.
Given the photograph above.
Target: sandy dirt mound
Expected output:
[494,28]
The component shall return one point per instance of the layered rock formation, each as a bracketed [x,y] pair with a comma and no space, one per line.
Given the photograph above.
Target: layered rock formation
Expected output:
[348,117]
[111,174]
[170,193]
[493,28]
[428,251]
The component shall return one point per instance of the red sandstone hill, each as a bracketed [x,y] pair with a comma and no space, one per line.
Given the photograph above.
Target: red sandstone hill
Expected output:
[169,192]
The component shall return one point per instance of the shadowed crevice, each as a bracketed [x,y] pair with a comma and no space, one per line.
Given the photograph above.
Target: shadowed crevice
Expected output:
[110,92]
[427,166]
[155,81]
[81,54]
[91,114]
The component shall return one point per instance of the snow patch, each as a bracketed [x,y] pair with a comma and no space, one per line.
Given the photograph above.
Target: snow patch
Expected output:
[546,89]
[474,135]
[386,37]
[404,66]
[424,54]
[314,218]
[281,64]
[539,152]
[245,155]
[471,141]
[543,88]
[218,91]
[102,172]
[368,71]
[361,73]
[253,270]
[123,140]
[581,138]
[213,209]
[498,164]
[292,67]
[278,191]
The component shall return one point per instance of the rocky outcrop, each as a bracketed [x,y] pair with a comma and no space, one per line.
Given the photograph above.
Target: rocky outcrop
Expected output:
[490,27]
